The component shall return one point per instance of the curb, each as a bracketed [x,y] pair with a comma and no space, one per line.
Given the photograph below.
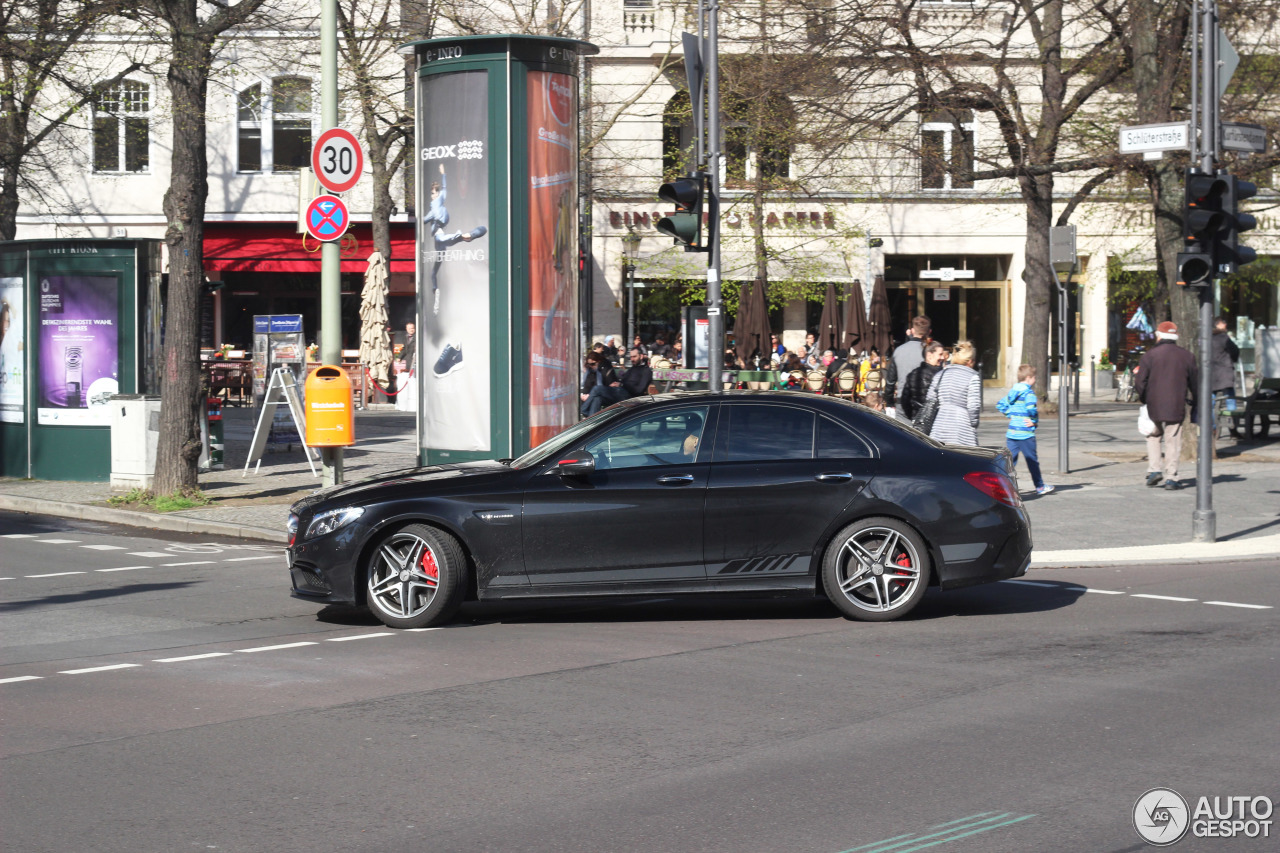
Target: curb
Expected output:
[1260,547]
[156,521]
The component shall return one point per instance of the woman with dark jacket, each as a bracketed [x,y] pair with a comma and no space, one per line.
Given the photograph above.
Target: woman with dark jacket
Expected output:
[916,385]
[599,372]
[959,393]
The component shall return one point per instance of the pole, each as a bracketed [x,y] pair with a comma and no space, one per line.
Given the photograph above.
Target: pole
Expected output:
[330,271]
[1093,378]
[1064,464]
[715,320]
[1204,520]
[631,305]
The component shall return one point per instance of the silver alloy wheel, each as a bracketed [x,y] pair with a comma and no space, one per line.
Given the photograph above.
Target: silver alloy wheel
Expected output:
[878,569]
[404,576]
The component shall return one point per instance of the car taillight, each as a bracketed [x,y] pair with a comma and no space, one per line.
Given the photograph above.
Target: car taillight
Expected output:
[995,486]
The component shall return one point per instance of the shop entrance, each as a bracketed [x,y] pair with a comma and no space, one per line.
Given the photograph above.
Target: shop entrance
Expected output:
[972,310]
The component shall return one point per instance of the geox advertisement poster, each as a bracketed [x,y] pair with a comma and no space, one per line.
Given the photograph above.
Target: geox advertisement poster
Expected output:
[79,350]
[553,254]
[12,351]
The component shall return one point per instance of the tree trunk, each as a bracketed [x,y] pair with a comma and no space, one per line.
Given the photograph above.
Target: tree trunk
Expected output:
[1038,276]
[184,207]
[9,202]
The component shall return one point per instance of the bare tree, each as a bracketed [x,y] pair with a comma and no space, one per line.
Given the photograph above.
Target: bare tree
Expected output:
[192,37]
[43,46]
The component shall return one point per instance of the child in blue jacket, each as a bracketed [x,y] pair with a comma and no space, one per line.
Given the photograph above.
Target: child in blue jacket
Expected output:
[1020,407]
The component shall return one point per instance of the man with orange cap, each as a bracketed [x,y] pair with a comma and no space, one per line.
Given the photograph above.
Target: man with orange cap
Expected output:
[1166,382]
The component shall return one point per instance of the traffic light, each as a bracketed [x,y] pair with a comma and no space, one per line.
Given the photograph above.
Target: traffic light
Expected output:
[1234,255]
[1203,220]
[685,225]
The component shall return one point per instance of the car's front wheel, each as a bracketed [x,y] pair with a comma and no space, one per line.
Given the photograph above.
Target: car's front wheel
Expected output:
[876,569]
[415,577]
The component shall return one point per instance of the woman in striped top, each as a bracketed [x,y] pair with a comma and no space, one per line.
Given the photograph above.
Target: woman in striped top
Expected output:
[958,389]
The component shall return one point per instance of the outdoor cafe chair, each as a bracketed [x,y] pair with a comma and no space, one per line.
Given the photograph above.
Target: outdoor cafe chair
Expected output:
[846,383]
[815,381]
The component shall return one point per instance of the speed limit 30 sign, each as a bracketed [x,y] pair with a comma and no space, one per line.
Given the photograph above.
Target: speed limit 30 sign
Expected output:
[336,160]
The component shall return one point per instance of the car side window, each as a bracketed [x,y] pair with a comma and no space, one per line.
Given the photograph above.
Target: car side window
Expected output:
[669,437]
[835,441]
[765,433]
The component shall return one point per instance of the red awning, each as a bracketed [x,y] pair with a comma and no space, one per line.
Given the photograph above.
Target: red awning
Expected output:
[277,247]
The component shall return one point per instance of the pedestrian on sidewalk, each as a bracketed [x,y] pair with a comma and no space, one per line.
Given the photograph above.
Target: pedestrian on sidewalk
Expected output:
[1166,382]
[958,390]
[1019,405]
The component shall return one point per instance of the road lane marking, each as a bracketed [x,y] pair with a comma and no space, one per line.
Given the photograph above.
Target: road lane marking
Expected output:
[420,630]
[273,648]
[20,536]
[104,547]
[21,678]
[957,829]
[123,569]
[967,834]
[98,668]
[149,554]
[1103,591]
[193,657]
[360,637]
[258,557]
[1160,597]
[59,541]
[194,563]
[1238,604]
[54,575]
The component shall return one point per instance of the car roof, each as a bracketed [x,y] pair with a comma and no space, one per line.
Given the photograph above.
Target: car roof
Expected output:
[802,397]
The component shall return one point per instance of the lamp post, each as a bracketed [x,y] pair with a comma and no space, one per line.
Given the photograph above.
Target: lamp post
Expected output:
[630,252]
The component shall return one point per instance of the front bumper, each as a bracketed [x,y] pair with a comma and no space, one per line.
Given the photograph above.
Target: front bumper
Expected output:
[326,568]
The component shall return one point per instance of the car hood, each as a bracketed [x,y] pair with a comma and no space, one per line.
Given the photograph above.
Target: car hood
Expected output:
[358,491]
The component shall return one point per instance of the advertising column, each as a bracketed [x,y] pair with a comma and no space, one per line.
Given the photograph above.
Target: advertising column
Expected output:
[553,253]
[453,244]
[79,349]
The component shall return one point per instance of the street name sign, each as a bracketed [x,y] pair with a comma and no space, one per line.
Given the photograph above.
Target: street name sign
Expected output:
[1142,138]
[327,218]
[1237,136]
[337,160]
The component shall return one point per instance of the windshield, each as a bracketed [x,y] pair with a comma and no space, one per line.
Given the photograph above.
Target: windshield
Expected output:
[555,444]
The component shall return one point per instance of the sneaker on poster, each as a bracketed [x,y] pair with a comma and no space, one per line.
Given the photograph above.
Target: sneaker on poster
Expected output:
[450,360]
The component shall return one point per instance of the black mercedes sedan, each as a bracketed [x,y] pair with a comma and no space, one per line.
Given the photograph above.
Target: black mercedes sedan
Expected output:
[743,492]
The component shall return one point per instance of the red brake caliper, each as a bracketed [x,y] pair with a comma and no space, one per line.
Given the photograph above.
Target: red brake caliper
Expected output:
[904,560]
[429,567]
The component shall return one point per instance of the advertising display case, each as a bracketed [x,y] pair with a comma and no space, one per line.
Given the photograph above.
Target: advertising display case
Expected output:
[278,341]
[497,268]
[80,322]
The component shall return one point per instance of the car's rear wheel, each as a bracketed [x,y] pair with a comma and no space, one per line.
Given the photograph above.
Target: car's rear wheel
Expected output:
[415,577]
[876,569]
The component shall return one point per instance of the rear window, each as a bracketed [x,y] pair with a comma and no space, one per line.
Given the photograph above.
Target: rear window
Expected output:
[763,433]
[837,442]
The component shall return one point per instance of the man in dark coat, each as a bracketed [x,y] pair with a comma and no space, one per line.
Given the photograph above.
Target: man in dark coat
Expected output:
[1166,381]
[907,357]
[635,382]
[916,386]
[1223,356]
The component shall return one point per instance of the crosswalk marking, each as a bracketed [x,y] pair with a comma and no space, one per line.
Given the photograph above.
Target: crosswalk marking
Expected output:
[104,547]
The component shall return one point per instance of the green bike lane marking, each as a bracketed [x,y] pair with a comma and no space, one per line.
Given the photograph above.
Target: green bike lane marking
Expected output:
[952,830]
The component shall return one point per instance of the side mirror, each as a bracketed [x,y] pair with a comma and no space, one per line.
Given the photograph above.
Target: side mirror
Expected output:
[576,464]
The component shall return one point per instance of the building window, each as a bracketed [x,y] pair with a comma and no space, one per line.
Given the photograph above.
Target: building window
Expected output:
[757,140]
[122,128]
[946,151]
[677,137]
[274,132]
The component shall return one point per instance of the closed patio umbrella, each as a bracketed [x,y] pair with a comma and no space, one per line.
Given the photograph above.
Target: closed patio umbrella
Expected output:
[375,343]
[751,330]
[855,337]
[831,326]
[879,319]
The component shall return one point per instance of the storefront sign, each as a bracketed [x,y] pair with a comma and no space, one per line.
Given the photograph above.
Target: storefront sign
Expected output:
[788,219]
[79,350]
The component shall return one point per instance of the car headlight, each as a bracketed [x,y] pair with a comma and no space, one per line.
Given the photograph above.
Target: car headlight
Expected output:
[327,522]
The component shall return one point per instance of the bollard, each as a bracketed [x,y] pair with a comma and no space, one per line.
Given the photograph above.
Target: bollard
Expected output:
[213,407]
[1093,377]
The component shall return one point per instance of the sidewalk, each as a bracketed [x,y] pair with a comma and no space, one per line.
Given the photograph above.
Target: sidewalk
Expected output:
[1101,512]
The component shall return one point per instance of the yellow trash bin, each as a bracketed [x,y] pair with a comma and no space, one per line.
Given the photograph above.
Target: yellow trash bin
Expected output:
[329,411]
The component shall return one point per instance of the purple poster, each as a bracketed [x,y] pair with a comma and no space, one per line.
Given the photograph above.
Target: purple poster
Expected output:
[79,349]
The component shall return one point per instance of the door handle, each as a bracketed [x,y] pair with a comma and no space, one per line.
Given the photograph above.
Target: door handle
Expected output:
[839,477]
[676,480]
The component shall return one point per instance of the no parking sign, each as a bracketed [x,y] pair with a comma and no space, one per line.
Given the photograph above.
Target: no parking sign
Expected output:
[327,218]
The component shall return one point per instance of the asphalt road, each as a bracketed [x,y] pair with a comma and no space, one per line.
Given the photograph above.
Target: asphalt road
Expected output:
[162,692]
